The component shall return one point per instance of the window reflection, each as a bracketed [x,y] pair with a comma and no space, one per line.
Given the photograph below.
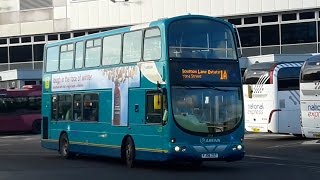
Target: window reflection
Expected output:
[203,39]
[207,110]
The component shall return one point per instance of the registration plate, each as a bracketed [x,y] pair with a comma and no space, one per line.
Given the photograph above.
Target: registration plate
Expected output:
[255,129]
[209,155]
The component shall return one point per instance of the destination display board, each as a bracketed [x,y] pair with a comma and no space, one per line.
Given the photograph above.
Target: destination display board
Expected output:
[199,72]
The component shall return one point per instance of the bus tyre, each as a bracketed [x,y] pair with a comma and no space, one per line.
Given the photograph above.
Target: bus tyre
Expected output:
[64,147]
[36,126]
[129,152]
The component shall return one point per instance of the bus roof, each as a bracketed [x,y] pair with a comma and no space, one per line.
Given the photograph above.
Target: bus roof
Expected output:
[25,92]
[313,59]
[267,66]
[157,23]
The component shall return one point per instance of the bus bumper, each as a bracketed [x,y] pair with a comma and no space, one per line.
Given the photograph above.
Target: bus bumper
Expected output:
[311,132]
[206,153]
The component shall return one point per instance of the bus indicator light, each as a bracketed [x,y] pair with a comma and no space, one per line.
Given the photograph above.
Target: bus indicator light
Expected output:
[47,83]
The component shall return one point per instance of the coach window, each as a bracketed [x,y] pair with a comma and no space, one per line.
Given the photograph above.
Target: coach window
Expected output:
[93,53]
[90,107]
[52,59]
[64,107]
[79,55]
[132,43]
[34,103]
[152,45]
[111,50]
[288,78]
[66,57]
[77,107]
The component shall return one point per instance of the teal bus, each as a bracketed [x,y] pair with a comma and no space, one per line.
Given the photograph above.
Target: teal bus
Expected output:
[168,90]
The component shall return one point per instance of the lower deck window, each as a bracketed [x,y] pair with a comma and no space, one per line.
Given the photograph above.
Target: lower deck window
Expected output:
[76,107]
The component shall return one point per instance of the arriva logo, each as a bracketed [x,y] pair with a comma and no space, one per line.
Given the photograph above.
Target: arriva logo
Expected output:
[209,140]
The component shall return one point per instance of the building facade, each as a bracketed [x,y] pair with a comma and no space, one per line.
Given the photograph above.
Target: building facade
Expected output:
[265,26]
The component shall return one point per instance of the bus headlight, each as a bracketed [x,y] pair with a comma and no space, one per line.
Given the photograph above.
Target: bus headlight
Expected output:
[239,147]
[177,148]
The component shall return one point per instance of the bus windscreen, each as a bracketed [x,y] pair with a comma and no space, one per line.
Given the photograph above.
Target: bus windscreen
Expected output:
[201,39]
[310,72]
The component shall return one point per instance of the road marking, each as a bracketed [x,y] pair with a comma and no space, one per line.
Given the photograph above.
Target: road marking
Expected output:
[310,167]
[263,135]
[28,154]
[312,142]
[286,145]
[21,138]
[264,157]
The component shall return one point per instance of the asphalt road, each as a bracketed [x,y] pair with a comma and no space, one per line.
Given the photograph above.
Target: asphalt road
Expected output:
[268,157]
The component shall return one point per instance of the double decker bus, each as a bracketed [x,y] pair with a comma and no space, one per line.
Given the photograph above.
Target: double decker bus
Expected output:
[20,110]
[271,97]
[310,97]
[165,90]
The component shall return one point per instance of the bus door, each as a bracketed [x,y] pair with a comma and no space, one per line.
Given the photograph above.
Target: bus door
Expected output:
[289,100]
[148,109]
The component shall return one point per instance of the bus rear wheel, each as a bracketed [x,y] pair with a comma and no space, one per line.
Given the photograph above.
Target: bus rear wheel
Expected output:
[64,147]
[129,152]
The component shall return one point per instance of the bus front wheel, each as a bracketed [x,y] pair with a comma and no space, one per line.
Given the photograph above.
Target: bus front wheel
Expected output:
[129,152]
[64,147]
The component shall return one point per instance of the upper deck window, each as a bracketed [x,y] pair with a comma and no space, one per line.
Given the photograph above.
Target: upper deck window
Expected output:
[152,45]
[93,53]
[111,50]
[201,38]
[66,57]
[79,55]
[132,46]
[52,59]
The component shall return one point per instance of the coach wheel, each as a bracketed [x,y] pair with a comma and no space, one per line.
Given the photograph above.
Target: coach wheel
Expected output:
[36,127]
[129,153]
[64,147]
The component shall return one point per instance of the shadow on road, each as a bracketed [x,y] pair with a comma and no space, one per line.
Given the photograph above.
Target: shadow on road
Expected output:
[162,166]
